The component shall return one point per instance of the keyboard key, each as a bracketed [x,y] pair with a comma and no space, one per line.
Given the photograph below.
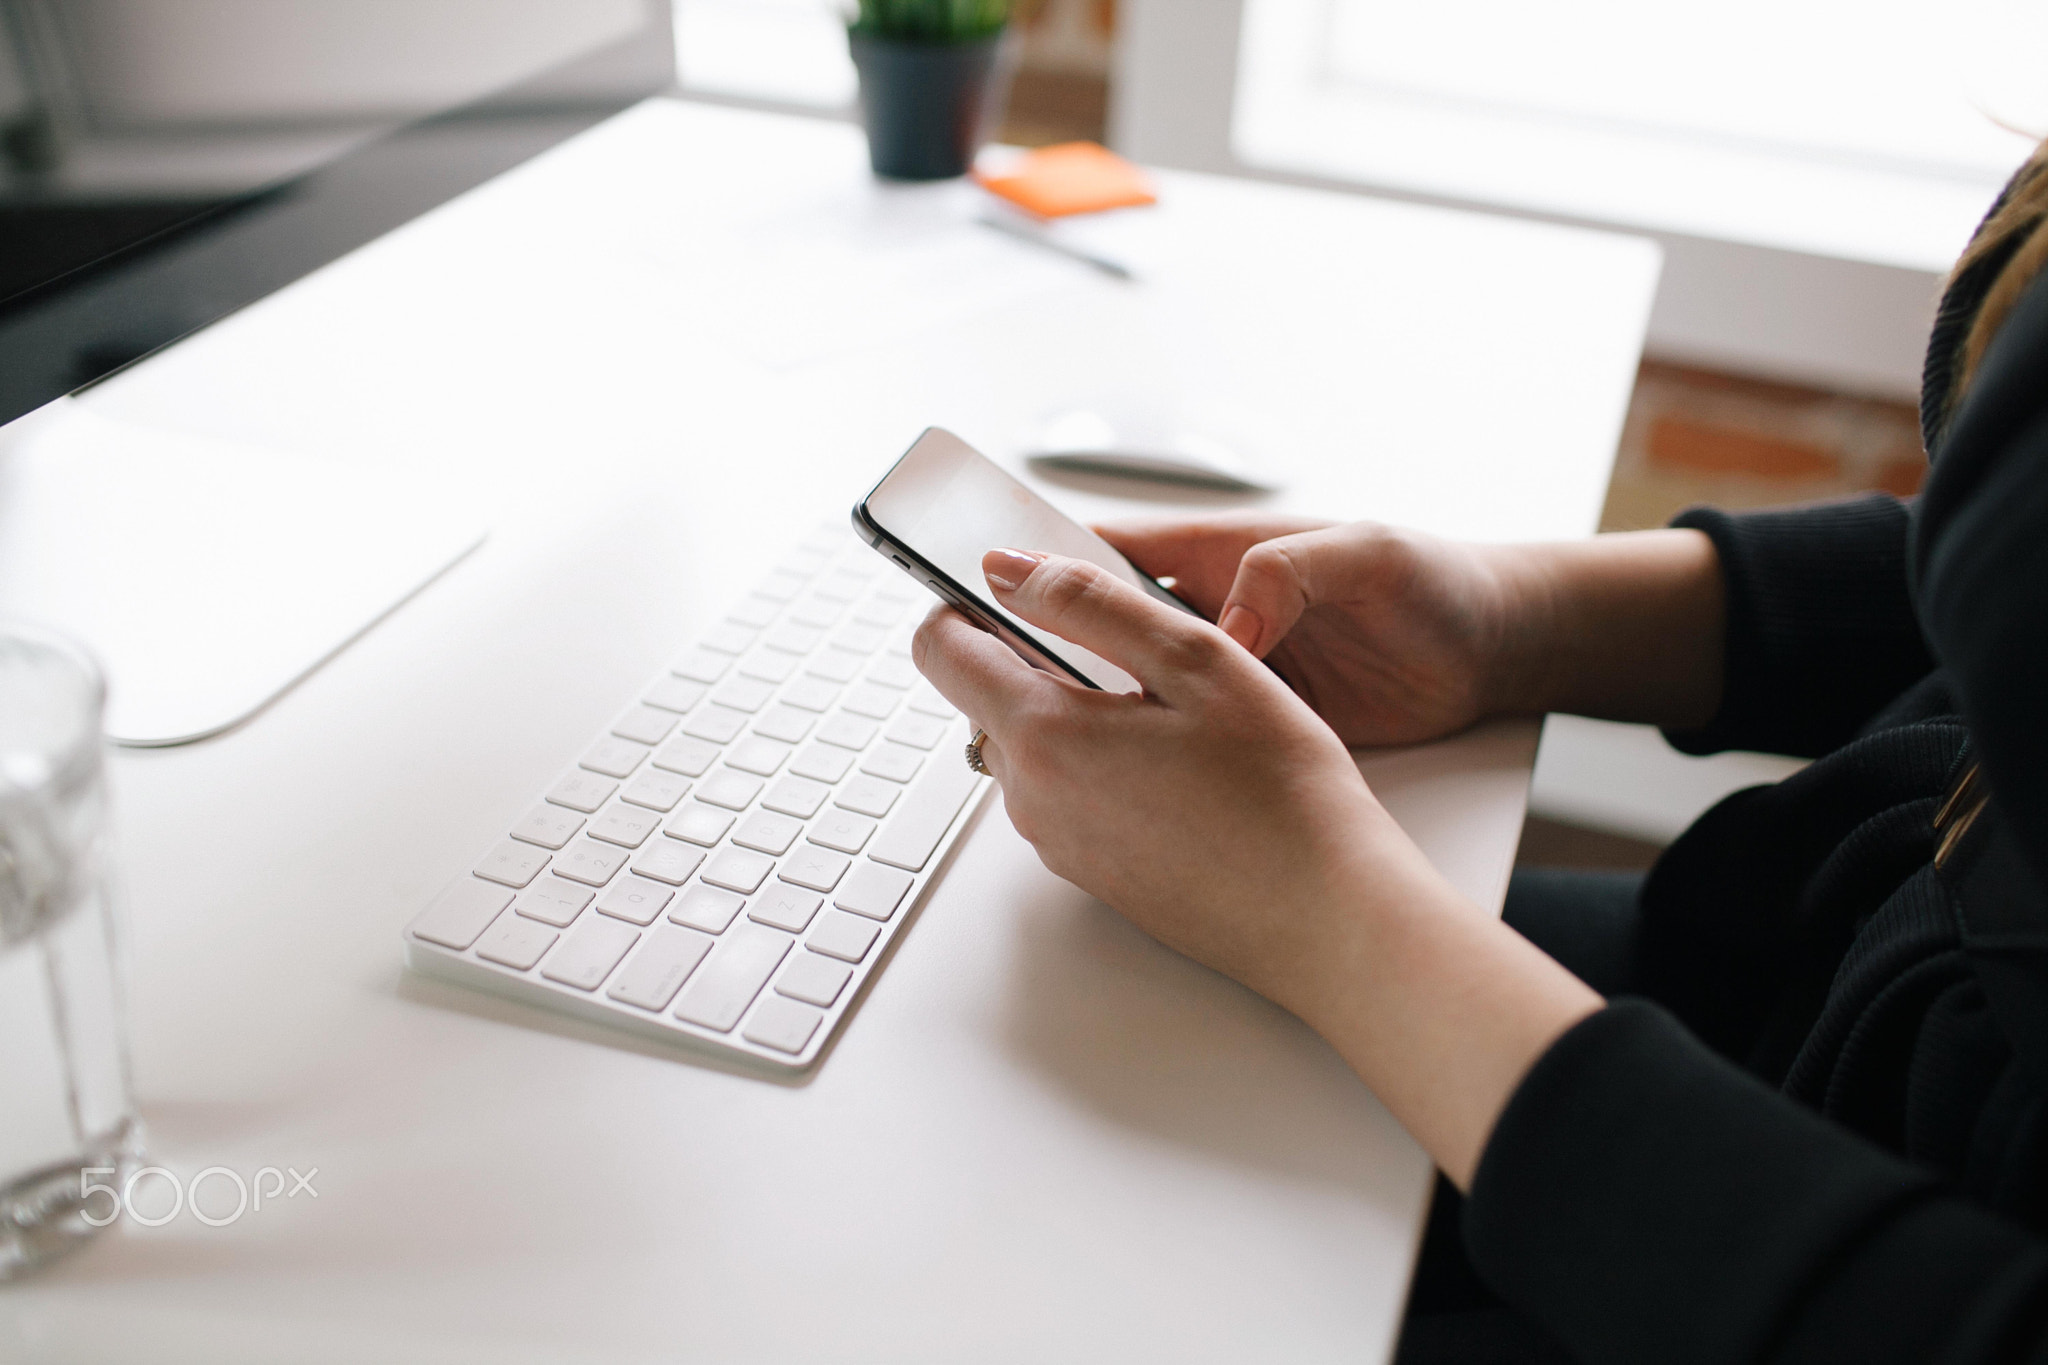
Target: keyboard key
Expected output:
[736,869]
[846,937]
[554,901]
[920,732]
[786,723]
[675,694]
[668,860]
[868,795]
[582,791]
[873,890]
[701,665]
[728,637]
[893,670]
[836,664]
[461,913]
[817,980]
[896,762]
[900,590]
[818,868]
[727,788]
[587,956]
[881,611]
[636,900]
[843,586]
[706,907]
[783,1025]
[781,586]
[924,816]
[822,763]
[549,826]
[791,638]
[516,942]
[860,639]
[871,700]
[698,824]
[927,700]
[754,610]
[848,732]
[690,757]
[770,665]
[614,757]
[843,830]
[765,833]
[625,825]
[659,969]
[744,694]
[590,863]
[644,725]
[798,796]
[715,723]
[785,907]
[512,863]
[811,693]
[807,562]
[724,986]
[816,612]
[656,790]
[757,755]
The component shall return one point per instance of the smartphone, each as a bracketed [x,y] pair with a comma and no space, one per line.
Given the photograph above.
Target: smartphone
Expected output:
[944,504]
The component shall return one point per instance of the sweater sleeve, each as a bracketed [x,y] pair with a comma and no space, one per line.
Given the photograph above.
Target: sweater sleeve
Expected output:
[1821,629]
[1646,1200]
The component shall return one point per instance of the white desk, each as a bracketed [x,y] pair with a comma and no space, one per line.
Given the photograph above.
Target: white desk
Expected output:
[1043,1136]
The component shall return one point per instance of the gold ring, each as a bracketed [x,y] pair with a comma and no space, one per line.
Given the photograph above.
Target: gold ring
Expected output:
[974,753]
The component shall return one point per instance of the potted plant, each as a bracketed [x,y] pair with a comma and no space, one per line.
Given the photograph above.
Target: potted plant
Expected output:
[932,79]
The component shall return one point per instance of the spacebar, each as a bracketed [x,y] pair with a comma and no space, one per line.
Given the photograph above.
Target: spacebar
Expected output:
[923,820]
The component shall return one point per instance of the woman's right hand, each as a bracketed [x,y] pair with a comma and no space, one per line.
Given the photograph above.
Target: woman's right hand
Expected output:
[1391,636]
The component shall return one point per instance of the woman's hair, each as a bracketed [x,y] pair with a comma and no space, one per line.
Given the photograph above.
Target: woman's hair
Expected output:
[2014,230]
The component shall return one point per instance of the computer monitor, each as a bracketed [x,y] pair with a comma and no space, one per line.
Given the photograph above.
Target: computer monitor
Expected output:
[164,163]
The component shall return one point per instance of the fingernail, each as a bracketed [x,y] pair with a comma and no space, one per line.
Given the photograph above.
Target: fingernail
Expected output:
[1241,624]
[1008,569]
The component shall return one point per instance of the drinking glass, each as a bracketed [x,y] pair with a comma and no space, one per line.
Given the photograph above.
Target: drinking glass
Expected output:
[67,1112]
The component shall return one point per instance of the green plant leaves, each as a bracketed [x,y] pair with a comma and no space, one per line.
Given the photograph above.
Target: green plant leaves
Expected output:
[932,21]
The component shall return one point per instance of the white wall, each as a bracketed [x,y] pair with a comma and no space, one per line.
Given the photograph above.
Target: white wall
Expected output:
[1782,313]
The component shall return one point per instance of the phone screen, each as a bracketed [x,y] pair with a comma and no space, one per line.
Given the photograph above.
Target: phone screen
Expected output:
[948,505]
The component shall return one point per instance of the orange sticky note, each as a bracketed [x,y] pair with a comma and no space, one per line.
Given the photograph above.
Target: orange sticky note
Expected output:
[1073,177]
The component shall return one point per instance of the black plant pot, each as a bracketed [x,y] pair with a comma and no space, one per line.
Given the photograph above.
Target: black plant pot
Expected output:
[926,105]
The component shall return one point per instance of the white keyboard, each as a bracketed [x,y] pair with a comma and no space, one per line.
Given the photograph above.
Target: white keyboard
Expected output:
[730,861]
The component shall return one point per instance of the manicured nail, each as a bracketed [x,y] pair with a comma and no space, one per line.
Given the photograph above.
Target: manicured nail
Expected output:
[1008,569]
[1241,624]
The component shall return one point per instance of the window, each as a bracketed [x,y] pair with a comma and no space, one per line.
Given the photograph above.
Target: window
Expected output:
[1857,129]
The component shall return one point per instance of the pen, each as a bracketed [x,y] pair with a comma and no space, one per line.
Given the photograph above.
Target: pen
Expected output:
[1105,264]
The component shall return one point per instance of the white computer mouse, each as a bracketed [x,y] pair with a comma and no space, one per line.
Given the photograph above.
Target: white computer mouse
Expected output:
[1135,444]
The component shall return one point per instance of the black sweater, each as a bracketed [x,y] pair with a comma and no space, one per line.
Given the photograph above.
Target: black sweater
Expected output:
[1822,1133]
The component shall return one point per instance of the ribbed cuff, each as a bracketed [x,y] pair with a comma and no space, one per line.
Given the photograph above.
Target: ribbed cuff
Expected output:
[1820,630]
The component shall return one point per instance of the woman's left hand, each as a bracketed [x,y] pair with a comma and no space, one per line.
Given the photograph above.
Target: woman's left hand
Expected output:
[1214,809]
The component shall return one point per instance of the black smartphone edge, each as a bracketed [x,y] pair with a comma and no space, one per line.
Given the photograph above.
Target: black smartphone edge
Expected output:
[954,595]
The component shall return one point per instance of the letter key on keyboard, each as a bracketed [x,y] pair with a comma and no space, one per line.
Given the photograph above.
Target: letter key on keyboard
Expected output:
[724,863]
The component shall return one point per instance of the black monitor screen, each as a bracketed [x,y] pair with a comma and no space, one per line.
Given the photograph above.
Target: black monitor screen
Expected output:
[163,162]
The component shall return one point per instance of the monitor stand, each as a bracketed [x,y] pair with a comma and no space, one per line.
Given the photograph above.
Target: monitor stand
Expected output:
[207,577]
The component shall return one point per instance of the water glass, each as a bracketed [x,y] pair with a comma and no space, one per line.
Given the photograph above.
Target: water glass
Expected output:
[67,1112]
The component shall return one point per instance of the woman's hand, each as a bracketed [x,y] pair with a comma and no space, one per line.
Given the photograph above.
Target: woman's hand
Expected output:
[1218,813]
[1391,636]
[1213,809]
